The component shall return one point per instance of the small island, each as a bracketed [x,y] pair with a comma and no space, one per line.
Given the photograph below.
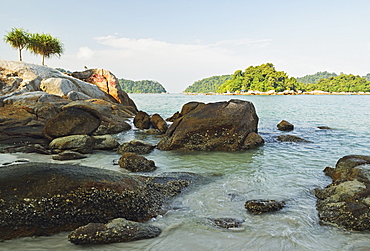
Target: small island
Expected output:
[141,86]
[266,80]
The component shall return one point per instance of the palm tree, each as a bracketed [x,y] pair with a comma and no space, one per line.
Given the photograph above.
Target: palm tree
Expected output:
[45,45]
[18,38]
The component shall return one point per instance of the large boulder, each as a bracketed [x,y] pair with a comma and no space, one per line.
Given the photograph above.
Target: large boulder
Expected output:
[44,199]
[136,163]
[346,201]
[158,123]
[221,126]
[142,120]
[114,117]
[19,77]
[72,121]
[107,82]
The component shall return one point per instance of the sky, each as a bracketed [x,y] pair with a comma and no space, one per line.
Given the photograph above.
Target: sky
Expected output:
[179,42]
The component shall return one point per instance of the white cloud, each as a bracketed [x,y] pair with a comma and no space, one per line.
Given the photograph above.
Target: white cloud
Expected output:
[85,53]
[175,65]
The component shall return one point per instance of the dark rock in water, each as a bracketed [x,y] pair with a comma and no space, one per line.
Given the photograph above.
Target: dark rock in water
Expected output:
[221,126]
[285,126]
[227,222]
[142,120]
[136,163]
[292,138]
[263,206]
[158,123]
[346,202]
[117,230]
[44,199]
[253,140]
[68,155]
[135,146]
[324,127]
[72,121]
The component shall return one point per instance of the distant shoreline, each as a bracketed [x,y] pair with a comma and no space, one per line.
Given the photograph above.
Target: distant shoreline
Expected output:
[270,93]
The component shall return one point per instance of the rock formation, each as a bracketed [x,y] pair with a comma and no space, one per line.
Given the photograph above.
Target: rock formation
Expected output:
[31,95]
[117,230]
[44,199]
[346,201]
[263,206]
[221,126]
[136,163]
[285,126]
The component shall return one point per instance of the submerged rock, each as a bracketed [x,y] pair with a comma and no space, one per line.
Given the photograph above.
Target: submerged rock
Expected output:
[221,126]
[292,138]
[136,163]
[44,199]
[117,230]
[285,126]
[346,202]
[263,206]
[227,222]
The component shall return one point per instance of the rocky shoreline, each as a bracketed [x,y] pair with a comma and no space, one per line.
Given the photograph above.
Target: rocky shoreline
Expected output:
[44,111]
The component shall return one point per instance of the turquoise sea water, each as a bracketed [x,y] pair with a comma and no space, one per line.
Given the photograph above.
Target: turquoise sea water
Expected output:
[282,171]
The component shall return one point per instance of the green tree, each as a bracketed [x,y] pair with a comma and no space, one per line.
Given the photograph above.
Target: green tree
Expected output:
[45,45]
[207,84]
[18,38]
[259,78]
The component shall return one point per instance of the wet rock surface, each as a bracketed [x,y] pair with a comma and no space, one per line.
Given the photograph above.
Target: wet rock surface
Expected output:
[285,126]
[292,138]
[136,146]
[142,120]
[263,206]
[136,163]
[346,201]
[220,126]
[44,198]
[117,230]
[227,222]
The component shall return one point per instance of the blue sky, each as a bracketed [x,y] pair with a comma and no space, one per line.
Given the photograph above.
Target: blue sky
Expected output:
[179,42]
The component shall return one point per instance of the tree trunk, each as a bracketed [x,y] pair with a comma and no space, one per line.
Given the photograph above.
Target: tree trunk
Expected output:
[43,60]
[20,54]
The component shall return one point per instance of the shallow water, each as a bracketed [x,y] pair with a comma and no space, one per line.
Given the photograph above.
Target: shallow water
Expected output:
[282,171]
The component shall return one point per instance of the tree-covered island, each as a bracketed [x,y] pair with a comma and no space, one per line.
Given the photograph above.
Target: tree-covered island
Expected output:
[141,86]
[265,78]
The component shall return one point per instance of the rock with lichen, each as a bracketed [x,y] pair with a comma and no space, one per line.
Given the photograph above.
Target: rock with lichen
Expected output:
[136,163]
[44,198]
[135,146]
[346,201]
[117,230]
[263,206]
[220,126]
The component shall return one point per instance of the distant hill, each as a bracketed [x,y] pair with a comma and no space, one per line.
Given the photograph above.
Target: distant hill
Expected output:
[141,86]
[205,85]
[314,78]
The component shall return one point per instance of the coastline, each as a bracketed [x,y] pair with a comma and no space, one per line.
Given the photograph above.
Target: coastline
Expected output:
[316,92]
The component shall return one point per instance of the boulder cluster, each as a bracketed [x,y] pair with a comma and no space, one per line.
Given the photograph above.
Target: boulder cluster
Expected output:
[70,115]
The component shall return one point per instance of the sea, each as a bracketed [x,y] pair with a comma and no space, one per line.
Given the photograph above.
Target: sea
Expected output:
[276,170]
